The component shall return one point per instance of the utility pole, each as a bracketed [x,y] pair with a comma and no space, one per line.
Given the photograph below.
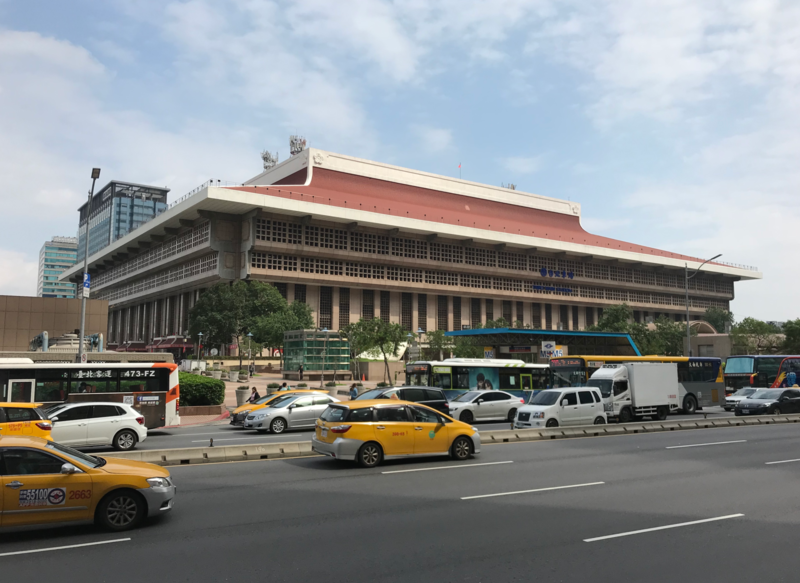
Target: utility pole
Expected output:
[85,286]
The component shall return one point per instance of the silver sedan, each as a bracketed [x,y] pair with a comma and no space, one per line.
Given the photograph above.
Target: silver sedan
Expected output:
[485,406]
[290,412]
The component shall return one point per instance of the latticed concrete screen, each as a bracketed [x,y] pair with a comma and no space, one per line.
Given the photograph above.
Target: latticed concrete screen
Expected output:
[310,348]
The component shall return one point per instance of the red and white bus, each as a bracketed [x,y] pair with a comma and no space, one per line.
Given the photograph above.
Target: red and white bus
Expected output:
[151,388]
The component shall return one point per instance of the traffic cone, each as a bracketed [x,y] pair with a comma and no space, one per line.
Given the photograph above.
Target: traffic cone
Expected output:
[362,377]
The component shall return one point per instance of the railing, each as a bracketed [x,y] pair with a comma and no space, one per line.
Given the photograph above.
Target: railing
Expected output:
[738,266]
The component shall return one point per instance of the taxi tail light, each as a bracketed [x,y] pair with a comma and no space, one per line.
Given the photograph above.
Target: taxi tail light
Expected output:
[341,428]
[45,425]
[522,401]
[140,420]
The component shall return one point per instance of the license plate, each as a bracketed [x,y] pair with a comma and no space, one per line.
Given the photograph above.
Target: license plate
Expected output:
[324,432]
[745,412]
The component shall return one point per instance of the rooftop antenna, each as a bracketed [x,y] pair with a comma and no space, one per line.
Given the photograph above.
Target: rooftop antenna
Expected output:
[508,186]
[296,144]
[270,159]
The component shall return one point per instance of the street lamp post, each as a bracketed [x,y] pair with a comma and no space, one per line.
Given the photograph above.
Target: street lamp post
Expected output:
[199,346]
[688,277]
[84,288]
[249,346]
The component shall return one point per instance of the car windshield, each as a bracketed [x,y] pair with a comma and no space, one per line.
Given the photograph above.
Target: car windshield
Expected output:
[774,394]
[546,398]
[373,394]
[743,393]
[76,456]
[282,401]
[467,397]
[334,414]
[263,400]
[603,384]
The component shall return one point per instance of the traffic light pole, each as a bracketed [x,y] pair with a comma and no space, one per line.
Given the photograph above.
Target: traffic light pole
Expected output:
[84,289]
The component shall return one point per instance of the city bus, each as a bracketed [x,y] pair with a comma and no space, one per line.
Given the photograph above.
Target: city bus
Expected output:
[458,375]
[790,364]
[759,371]
[151,388]
[701,377]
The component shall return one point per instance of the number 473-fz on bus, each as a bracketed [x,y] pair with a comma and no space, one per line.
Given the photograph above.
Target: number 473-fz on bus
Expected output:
[151,388]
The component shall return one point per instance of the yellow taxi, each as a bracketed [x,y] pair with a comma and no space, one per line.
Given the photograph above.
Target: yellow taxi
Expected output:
[45,482]
[240,413]
[373,430]
[24,419]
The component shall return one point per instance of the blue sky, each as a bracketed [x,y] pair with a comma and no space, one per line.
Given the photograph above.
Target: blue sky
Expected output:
[673,122]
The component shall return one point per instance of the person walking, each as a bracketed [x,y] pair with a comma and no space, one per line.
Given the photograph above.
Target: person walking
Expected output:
[300,371]
[353,392]
[252,368]
[254,396]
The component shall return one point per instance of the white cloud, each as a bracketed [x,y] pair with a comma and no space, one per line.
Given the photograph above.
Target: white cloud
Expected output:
[433,140]
[17,273]
[523,165]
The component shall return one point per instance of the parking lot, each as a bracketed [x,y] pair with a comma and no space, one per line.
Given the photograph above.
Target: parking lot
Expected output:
[654,507]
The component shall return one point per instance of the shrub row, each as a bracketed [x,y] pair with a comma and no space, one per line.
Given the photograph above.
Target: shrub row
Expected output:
[198,390]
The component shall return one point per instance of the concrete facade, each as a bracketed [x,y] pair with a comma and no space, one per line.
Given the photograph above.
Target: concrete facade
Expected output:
[354,238]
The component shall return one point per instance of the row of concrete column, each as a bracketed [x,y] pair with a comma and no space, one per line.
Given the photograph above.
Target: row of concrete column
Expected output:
[157,318]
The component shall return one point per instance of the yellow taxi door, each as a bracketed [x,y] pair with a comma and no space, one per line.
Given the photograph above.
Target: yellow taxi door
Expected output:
[430,432]
[36,492]
[393,430]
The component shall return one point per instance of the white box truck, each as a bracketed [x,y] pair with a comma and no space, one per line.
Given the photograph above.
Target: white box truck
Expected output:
[638,389]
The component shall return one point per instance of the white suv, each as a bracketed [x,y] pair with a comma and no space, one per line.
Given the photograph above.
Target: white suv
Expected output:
[91,424]
[558,407]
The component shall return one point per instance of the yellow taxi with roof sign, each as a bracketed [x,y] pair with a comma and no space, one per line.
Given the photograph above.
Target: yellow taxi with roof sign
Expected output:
[45,482]
[240,413]
[24,419]
[373,430]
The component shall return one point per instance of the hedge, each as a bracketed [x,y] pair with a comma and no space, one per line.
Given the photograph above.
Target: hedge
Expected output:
[199,390]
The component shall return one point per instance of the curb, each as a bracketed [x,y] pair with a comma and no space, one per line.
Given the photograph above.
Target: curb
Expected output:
[224,415]
[262,451]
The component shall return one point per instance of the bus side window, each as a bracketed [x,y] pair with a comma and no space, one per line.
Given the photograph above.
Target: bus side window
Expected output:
[620,387]
[461,378]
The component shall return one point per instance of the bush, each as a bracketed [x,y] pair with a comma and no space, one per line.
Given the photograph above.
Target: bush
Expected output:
[301,385]
[244,371]
[330,384]
[273,386]
[199,390]
[382,384]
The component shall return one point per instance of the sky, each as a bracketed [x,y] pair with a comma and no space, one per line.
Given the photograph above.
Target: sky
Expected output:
[675,123]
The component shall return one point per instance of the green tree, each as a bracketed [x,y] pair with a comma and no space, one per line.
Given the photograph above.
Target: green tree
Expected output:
[791,342]
[226,312]
[666,338]
[718,318]
[752,336]
[438,345]
[467,347]
[269,329]
[386,338]
[359,336]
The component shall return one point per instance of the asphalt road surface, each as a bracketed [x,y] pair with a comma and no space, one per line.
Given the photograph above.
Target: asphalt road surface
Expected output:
[226,434]
[705,505]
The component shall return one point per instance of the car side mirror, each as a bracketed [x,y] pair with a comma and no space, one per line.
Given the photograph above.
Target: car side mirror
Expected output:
[68,468]
[54,419]
[564,403]
[480,401]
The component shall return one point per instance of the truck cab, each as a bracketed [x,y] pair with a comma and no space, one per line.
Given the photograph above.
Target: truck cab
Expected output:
[641,389]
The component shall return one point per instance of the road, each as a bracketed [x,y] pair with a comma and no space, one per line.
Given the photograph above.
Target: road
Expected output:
[517,512]
[225,434]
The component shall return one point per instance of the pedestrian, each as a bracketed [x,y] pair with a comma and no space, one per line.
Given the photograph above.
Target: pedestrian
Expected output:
[252,368]
[300,370]
[254,396]
[285,387]
[353,392]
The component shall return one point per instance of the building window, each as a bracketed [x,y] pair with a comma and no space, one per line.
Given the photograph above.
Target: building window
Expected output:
[507,316]
[386,300]
[475,312]
[575,318]
[422,311]
[457,313]
[300,292]
[325,307]
[520,314]
[344,307]
[589,317]
[489,310]
[536,315]
[548,316]
[406,311]
[441,313]
[563,316]
[281,287]
[368,304]
[599,314]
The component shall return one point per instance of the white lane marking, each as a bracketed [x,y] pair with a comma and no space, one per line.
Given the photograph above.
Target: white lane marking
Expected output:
[530,491]
[644,530]
[102,542]
[702,444]
[781,462]
[446,467]
[241,438]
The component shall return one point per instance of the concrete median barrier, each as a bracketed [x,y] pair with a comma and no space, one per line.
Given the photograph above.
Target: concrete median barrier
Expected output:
[262,451]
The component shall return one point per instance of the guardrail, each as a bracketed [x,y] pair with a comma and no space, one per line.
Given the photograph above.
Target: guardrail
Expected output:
[262,451]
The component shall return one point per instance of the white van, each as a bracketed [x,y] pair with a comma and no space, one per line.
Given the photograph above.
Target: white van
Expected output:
[561,407]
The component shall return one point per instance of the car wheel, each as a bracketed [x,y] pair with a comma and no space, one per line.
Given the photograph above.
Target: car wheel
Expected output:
[625,416]
[551,423]
[277,426]
[599,421]
[370,455]
[461,449]
[467,417]
[661,413]
[776,410]
[512,414]
[120,510]
[689,405]
[125,440]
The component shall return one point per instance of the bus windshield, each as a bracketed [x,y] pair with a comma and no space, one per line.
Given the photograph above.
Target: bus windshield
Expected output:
[739,365]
